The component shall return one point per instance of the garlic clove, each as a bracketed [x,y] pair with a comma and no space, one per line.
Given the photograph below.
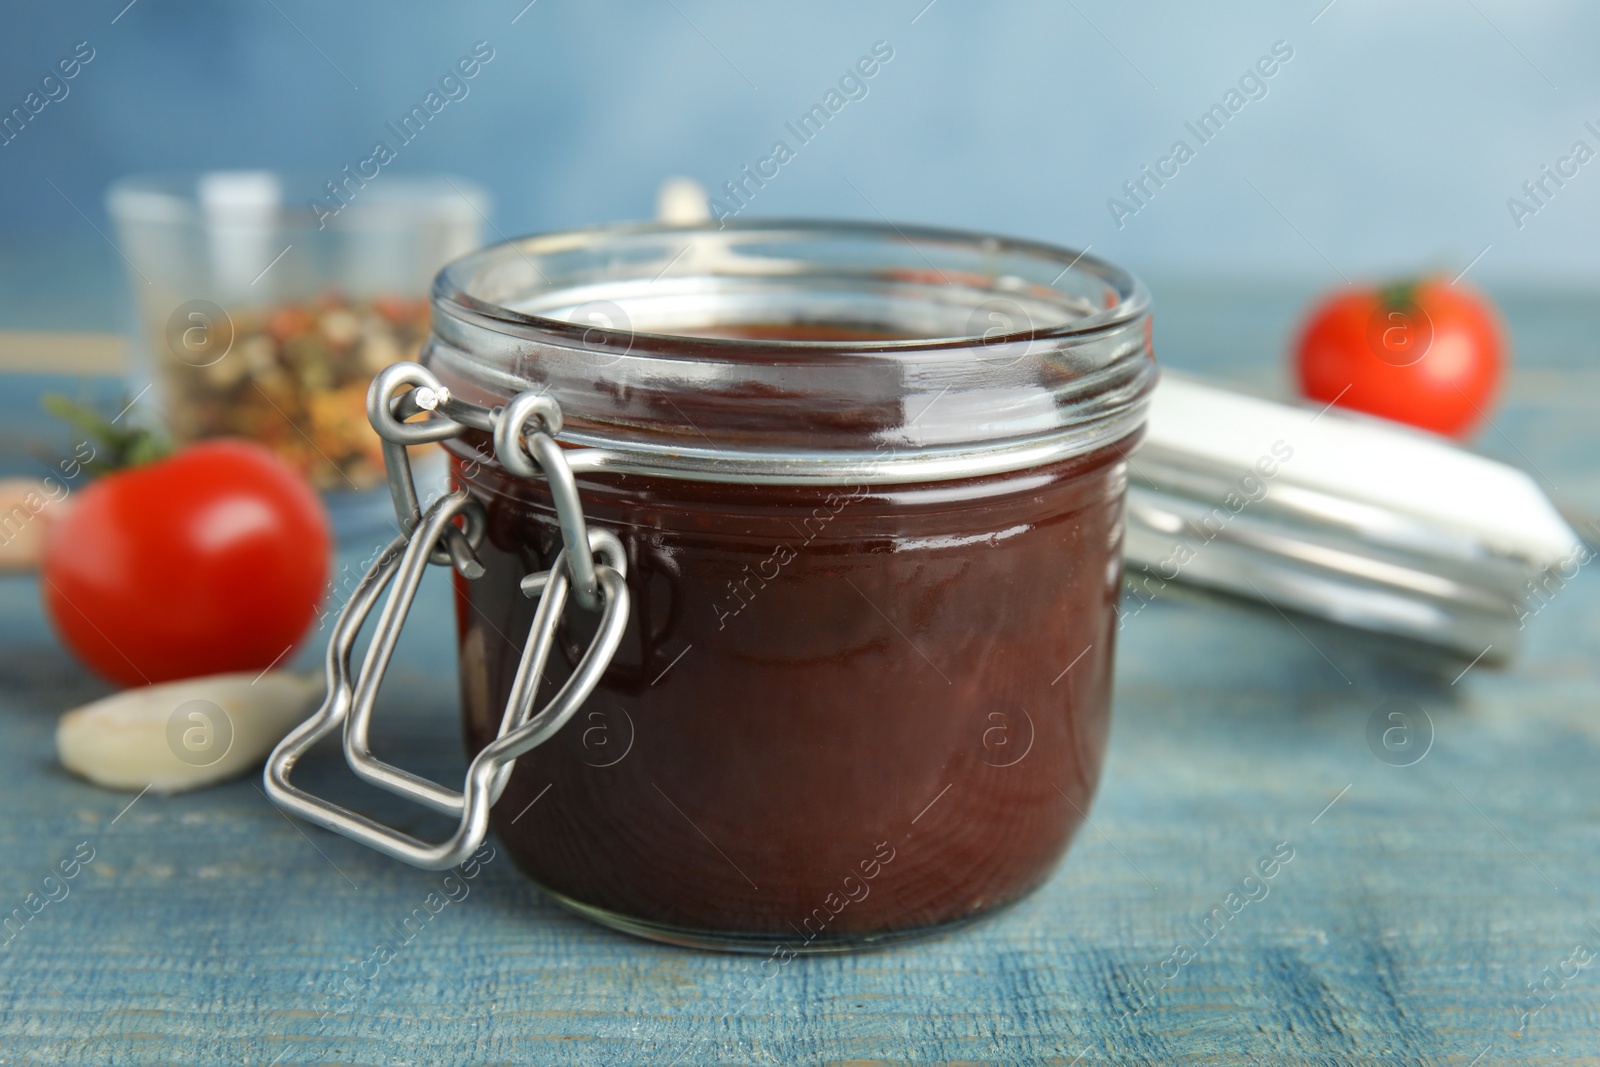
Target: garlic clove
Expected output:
[23,521]
[183,735]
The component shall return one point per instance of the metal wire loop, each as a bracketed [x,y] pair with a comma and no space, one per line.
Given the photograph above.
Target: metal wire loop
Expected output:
[388,414]
[524,444]
[388,417]
[591,566]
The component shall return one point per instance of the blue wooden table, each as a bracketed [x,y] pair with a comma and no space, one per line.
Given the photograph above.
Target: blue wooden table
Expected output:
[1445,912]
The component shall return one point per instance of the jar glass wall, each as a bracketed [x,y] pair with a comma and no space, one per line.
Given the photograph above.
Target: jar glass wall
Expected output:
[869,482]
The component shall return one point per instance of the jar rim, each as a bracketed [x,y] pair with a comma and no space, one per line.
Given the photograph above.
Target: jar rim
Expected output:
[451,289]
[271,199]
[890,320]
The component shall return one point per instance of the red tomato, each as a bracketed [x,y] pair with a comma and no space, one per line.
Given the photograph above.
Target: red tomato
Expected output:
[1425,353]
[211,561]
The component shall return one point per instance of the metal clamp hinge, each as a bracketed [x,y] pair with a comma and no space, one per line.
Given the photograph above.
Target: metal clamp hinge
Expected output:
[591,567]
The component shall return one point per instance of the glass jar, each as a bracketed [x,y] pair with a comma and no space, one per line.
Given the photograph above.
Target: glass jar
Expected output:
[266,302]
[869,485]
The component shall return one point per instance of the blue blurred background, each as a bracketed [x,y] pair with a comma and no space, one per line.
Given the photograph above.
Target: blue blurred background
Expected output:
[1391,140]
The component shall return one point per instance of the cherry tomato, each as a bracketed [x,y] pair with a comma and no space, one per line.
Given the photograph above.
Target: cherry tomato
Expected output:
[207,562]
[1425,353]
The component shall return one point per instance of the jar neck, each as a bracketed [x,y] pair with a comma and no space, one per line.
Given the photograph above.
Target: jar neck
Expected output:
[853,362]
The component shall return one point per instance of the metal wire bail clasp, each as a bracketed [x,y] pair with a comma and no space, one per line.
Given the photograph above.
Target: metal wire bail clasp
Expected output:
[591,566]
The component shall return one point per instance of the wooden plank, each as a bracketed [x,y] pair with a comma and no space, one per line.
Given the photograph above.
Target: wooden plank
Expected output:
[60,352]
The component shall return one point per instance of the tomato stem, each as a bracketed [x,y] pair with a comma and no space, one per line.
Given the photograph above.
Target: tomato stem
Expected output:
[1400,295]
[120,447]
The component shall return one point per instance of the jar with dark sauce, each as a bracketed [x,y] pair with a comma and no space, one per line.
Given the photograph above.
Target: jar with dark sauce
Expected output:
[869,483]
